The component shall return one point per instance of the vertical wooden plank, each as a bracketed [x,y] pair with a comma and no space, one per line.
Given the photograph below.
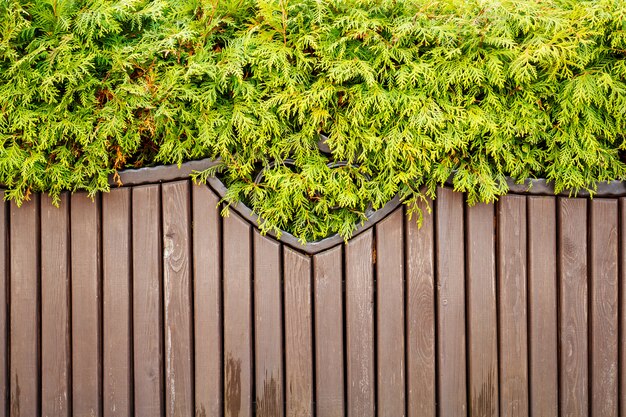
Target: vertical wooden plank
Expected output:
[177,299]
[360,325]
[573,362]
[420,249]
[86,298]
[390,315]
[622,306]
[482,320]
[116,310]
[298,334]
[513,303]
[451,304]
[268,328]
[237,318]
[55,303]
[328,307]
[147,302]
[24,315]
[542,306]
[604,310]
[4,339]
[207,272]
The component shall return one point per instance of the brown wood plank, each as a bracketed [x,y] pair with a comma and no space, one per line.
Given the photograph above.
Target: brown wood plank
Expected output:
[116,310]
[177,299]
[360,325]
[451,304]
[482,337]
[604,307]
[328,307]
[237,318]
[542,306]
[420,305]
[622,306]
[207,272]
[55,306]
[4,394]
[268,327]
[390,315]
[298,334]
[573,389]
[86,298]
[147,302]
[24,316]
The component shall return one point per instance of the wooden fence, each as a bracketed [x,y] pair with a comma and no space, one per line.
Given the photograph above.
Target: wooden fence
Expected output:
[146,302]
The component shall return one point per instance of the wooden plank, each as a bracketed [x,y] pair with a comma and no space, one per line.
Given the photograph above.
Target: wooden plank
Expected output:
[116,300]
[4,287]
[237,318]
[390,315]
[513,301]
[86,298]
[24,314]
[572,258]
[147,302]
[482,337]
[451,304]
[207,272]
[55,306]
[360,325]
[604,307]
[420,305]
[622,306]
[177,299]
[268,327]
[328,307]
[542,306]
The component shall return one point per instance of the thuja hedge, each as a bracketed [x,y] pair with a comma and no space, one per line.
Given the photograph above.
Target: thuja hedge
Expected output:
[409,92]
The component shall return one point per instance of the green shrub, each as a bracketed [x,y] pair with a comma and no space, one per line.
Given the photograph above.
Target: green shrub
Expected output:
[408,91]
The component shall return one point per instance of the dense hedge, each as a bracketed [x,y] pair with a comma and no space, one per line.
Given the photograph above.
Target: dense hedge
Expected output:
[408,91]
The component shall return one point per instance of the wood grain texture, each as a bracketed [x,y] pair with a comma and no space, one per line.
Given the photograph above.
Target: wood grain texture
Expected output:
[542,306]
[86,299]
[622,306]
[298,334]
[238,377]
[207,273]
[116,310]
[177,299]
[55,307]
[451,304]
[482,337]
[4,298]
[360,325]
[24,314]
[420,311]
[572,258]
[390,315]
[147,302]
[268,327]
[328,306]
[604,308]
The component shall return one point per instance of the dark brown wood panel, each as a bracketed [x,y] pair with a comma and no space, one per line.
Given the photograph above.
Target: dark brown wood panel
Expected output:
[420,311]
[147,302]
[360,326]
[622,307]
[86,304]
[177,299]
[24,313]
[604,308]
[116,294]
[238,372]
[451,304]
[207,273]
[329,344]
[542,307]
[572,264]
[268,327]
[55,307]
[482,337]
[4,302]
[390,315]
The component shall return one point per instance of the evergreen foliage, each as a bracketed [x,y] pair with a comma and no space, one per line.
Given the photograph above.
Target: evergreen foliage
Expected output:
[408,91]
